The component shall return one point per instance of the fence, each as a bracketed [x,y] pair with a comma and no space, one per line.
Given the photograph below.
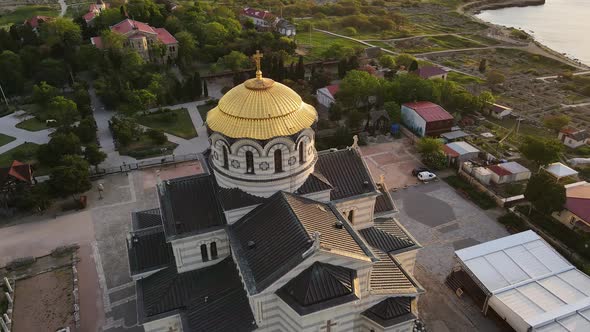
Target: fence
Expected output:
[500,201]
[164,160]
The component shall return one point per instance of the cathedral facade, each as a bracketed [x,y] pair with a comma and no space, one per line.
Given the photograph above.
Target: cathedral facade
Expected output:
[274,235]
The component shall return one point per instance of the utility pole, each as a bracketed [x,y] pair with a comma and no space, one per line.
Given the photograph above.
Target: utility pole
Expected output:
[3,95]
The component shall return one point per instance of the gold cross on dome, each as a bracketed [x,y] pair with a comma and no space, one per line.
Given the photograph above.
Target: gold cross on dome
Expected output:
[257,58]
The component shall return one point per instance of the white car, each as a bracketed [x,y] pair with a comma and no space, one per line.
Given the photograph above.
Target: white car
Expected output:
[426,176]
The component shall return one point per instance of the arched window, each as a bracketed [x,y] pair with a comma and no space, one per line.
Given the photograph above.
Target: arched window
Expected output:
[301,152]
[213,248]
[278,161]
[204,254]
[249,162]
[225,159]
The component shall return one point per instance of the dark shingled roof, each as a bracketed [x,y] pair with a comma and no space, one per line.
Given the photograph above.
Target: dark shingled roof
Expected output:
[319,286]
[384,241]
[315,182]
[236,198]
[190,206]
[146,219]
[391,311]
[214,292]
[281,230]
[384,203]
[346,171]
[149,250]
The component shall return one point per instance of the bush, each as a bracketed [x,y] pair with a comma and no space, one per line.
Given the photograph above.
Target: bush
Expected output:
[349,31]
[514,189]
[157,137]
[478,197]
[20,263]
[513,223]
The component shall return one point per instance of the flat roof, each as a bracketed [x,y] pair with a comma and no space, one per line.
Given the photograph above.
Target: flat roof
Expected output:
[514,167]
[462,148]
[454,134]
[560,170]
[525,274]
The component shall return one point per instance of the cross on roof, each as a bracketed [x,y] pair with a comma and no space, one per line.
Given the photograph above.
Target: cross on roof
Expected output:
[328,327]
[257,58]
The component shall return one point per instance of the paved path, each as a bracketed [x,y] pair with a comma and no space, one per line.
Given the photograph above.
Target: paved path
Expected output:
[7,127]
[63,7]
[417,36]
[585,72]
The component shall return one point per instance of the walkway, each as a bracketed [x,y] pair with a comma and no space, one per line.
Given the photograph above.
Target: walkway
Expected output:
[585,72]
[7,127]
[63,7]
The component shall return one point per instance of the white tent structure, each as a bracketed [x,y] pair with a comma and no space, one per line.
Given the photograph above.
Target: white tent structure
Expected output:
[559,170]
[529,284]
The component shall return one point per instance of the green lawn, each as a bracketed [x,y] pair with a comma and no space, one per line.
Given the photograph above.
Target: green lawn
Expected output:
[25,152]
[5,139]
[321,42]
[180,124]
[203,109]
[464,79]
[32,124]
[145,148]
[525,128]
[22,13]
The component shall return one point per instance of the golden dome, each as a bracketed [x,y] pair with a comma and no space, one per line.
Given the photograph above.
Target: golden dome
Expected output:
[260,108]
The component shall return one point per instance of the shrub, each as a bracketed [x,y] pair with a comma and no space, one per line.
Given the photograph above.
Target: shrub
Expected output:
[20,263]
[156,136]
[514,189]
[349,31]
[513,223]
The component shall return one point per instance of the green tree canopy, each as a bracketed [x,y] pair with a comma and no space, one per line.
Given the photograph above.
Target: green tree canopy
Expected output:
[64,110]
[404,60]
[235,61]
[556,122]
[357,88]
[43,93]
[93,155]
[61,31]
[12,79]
[71,177]
[545,193]
[540,150]
[187,47]
[387,61]
[61,144]
[394,111]
[428,145]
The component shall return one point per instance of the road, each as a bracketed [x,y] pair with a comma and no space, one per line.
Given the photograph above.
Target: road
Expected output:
[585,72]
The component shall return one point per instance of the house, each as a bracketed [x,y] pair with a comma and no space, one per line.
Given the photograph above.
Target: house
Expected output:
[431,73]
[141,37]
[525,282]
[455,135]
[576,212]
[573,138]
[272,235]
[94,10]
[14,174]
[460,152]
[498,111]
[379,121]
[36,21]
[326,96]
[559,170]
[509,172]
[426,119]
[265,20]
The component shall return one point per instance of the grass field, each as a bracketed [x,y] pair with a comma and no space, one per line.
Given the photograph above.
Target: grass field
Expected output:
[25,152]
[32,124]
[22,13]
[464,79]
[320,42]
[145,148]
[5,139]
[181,125]
[203,109]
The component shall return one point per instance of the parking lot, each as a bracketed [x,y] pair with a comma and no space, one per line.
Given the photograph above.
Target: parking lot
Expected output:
[395,160]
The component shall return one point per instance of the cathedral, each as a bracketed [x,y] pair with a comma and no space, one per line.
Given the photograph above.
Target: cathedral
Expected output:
[273,235]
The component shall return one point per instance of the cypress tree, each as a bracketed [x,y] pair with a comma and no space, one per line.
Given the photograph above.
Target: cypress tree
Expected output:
[281,69]
[205,90]
[291,74]
[197,88]
[300,69]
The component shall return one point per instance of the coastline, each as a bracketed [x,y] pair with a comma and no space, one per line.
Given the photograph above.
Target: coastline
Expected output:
[473,8]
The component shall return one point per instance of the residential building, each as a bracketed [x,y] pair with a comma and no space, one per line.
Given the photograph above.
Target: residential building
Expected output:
[498,111]
[460,152]
[274,235]
[559,170]
[326,96]
[509,172]
[525,282]
[576,212]
[265,20]
[426,119]
[36,21]
[94,10]
[143,38]
[431,73]
[573,138]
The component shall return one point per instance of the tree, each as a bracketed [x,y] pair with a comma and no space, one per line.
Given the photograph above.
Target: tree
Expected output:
[413,66]
[93,155]
[71,177]
[205,90]
[86,130]
[63,110]
[157,137]
[387,61]
[235,61]
[338,51]
[61,144]
[43,93]
[540,150]
[187,47]
[394,111]
[545,193]
[429,145]
[556,122]
[12,79]
[63,32]
[483,65]
[215,33]
[142,100]
[357,88]
[404,60]
[300,70]
[495,77]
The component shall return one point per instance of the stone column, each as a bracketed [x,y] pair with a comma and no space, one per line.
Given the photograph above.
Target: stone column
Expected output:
[7,283]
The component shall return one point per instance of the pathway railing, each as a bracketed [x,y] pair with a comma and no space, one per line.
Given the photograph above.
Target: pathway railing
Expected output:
[152,162]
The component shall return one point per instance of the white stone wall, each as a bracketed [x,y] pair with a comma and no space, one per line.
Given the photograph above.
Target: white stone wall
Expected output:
[363,208]
[166,324]
[321,196]
[234,215]
[265,180]
[407,260]
[187,251]
[412,120]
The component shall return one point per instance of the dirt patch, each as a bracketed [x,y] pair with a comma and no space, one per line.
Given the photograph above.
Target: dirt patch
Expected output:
[44,302]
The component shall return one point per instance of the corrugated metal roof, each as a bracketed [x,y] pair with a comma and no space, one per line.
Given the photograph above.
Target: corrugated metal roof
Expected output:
[560,170]
[462,148]
[391,311]
[429,111]
[514,167]
[499,170]
[527,276]
[451,135]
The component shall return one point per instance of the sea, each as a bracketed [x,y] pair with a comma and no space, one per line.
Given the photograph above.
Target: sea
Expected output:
[562,25]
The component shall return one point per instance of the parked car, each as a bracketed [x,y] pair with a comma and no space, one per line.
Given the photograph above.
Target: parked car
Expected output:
[426,176]
[417,170]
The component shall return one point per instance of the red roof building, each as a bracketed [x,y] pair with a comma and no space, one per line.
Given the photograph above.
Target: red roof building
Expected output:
[94,10]
[431,72]
[16,172]
[576,213]
[426,118]
[499,170]
[35,21]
